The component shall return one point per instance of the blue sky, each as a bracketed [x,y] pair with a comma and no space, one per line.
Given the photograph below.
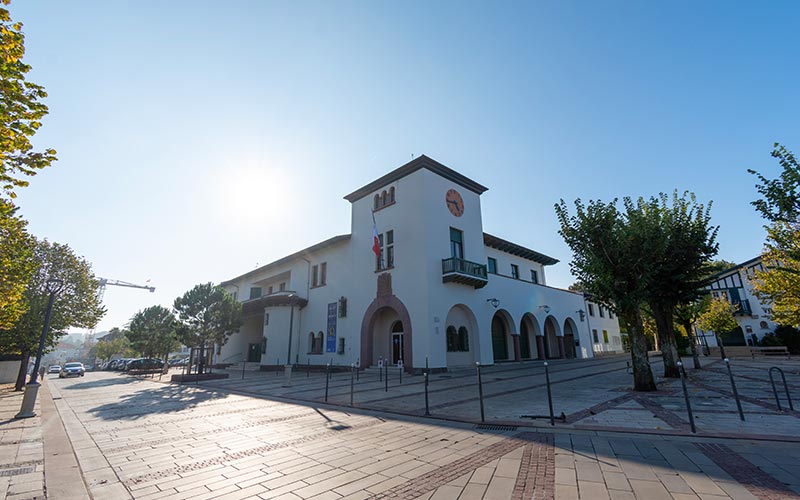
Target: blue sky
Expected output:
[197,139]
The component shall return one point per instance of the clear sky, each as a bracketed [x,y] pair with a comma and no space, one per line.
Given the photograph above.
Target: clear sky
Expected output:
[198,139]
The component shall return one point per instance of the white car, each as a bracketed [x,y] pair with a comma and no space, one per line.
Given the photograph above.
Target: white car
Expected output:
[72,370]
[54,369]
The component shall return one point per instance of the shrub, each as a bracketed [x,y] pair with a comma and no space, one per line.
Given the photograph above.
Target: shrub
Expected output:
[790,337]
[771,340]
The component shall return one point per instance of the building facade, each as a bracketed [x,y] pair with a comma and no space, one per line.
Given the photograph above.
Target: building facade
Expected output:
[753,316]
[432,289]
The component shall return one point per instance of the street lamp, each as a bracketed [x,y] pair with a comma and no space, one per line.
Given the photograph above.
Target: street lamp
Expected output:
[288,367]
[494,302]
[53,286]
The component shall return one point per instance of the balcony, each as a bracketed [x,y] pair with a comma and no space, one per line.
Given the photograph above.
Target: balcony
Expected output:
[455,270]
[742,308]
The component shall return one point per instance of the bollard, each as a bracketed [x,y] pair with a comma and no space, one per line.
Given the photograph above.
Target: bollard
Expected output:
[352,369]
[380,369]
[327,380]
[400,368]
[358,368]
[785,388]
[386,376]
[308,368]
[480,390]
[277,366]
[686,397]
[549,394]
[735,392]
[427,408]
[426,365]
[244,365]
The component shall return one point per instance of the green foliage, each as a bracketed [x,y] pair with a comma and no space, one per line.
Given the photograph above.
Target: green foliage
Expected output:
[21,111]
[771,340]
[16,264]
[779,283]
[790,337]
[115,347]
[683,343]
[152,332]
[718,317]
[780,200]
[716,267]
[207,314]
[76,305]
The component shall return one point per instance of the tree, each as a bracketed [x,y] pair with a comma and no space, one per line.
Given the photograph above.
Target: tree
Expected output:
[76,305]
[109,348]
[779,283]
[686,315]
[610,259]
[152,332]
[21,110]
[718,318]
[678,261]
[16,264]
[208,314]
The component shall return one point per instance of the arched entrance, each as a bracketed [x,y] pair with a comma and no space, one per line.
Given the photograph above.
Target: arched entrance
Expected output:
[461,336]
[500,336]
[569,338]
[528,331]
[386,320]
[552,348]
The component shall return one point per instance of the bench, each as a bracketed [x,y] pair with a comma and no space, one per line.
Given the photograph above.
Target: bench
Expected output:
[770,351]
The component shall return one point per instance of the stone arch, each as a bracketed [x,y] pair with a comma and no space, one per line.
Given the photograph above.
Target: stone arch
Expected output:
[570,334]
[461,316]
[529,338]
[502,329]
[553,339]
[395,310]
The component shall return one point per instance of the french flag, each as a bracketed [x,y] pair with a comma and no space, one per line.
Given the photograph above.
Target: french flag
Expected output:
[376,243]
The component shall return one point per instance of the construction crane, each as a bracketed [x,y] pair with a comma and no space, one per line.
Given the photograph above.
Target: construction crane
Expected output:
[105,282]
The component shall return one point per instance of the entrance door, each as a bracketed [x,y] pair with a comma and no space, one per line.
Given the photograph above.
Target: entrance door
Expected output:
[569,346]
[397,342]
[253,353]
[524,342]
[499,344]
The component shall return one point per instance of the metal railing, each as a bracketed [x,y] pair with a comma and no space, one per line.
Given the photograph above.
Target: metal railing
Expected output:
[462,266]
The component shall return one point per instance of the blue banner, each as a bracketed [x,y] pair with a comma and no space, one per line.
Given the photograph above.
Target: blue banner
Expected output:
[330,344]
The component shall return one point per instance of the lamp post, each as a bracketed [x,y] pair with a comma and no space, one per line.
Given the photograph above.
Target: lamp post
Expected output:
[53,287]
[288,368]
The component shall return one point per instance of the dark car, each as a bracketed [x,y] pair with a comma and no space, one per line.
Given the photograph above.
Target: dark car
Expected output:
[72,370]
[145,364]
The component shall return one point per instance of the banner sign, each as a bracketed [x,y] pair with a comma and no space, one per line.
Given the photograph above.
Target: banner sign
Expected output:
[330,344]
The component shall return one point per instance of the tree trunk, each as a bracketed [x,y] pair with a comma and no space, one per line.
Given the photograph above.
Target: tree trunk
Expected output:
[666,338]
[23,370]
[201,364]
[687,325]
[721,347]
[642,374]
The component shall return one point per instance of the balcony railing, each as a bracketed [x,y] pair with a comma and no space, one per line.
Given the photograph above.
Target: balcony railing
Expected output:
[455,270]
[743,307]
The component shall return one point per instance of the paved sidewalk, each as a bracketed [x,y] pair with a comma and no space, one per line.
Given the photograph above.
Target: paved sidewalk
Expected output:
[21,449]
[590,394]
[150,440]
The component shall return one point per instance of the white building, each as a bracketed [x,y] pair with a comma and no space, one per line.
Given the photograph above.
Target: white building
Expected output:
[604,325]
[443,292]
[736,286]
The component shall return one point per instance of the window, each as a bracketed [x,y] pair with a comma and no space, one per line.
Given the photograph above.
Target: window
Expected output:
[269,290]
[515,271]
[748,329]
[457,340]
[323,274]
[386,244]
[534,276]
[764,325]
[456,243]
[591,309]
[282,287]
[605,336]
[266,319]
[600,311]
[255,292]
[391,194]
[383,199]
[377,203]
[492,265]
[234,295]
[611,314]
[595,337]
[319,342]
[314,275]
[311,343]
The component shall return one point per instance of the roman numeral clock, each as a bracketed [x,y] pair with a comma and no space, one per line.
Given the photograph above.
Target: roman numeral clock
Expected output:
[454,202]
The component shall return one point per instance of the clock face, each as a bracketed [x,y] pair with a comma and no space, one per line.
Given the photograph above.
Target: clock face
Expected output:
[454,202]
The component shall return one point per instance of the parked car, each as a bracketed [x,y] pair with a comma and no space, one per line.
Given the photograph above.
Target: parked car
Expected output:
[54,369]
[145,364]
[72,370]
[181,361]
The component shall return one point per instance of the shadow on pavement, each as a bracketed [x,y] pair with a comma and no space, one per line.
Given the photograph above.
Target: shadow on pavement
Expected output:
[106,382]
[164,399]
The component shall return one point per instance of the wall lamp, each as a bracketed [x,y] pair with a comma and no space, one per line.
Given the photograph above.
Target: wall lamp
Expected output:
[546,308]
[494,302]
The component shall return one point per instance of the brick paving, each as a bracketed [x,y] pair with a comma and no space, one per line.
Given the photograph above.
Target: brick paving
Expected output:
[21,450]
[142,439]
